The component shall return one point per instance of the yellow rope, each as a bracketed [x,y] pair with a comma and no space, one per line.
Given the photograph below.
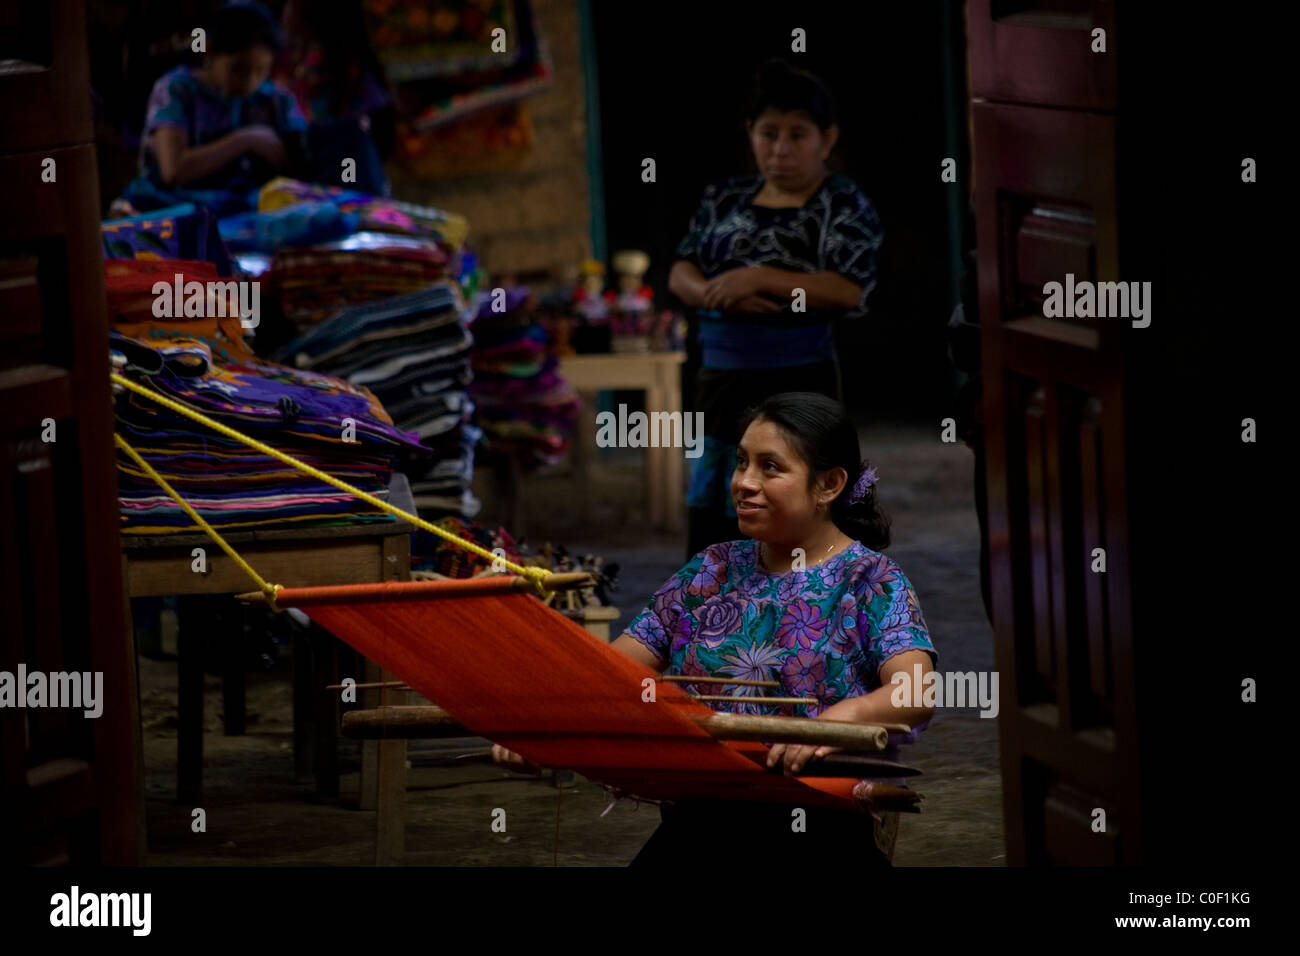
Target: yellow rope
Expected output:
[270,590]
[536,575]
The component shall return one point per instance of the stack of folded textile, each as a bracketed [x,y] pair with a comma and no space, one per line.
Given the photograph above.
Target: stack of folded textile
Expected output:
[329,248]
[524,406]
[316,281]
[412,353]
[186,231]
[229,484]
[205,365]
[373,213]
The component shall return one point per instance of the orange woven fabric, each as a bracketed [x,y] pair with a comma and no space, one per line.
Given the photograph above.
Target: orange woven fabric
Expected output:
[514,671]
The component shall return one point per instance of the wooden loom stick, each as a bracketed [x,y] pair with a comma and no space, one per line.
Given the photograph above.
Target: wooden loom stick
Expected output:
[418,590]
[764,700]
[370,685]
[833,765]
[424,720]
[394,721]
[851,765]
[794,730]
[720,679]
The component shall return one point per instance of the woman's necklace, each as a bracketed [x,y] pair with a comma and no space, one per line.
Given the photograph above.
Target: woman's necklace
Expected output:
[768,564]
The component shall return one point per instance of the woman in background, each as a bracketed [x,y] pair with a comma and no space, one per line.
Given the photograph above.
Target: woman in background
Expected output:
[214,134]
[768,264]
[339,84]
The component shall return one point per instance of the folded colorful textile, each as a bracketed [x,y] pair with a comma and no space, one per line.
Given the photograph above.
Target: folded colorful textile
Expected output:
[186,231]
[373,213]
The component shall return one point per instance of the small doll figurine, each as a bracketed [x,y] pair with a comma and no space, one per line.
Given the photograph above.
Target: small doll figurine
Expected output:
[635,300]
[633,304]
[588,299]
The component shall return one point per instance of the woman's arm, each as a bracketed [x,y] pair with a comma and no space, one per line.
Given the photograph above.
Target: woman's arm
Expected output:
[824,290]
[876,707]
[629,645]
[179,163]
[687,283]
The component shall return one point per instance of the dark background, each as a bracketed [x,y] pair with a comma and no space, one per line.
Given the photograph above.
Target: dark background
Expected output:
[676,79]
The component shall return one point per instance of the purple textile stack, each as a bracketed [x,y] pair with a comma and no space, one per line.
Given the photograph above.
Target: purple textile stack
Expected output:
[524,406]
[324,422]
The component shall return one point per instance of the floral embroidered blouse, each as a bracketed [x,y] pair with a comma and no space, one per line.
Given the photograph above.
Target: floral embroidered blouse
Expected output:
[824,631]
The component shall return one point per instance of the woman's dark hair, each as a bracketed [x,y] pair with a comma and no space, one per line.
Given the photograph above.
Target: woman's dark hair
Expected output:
[824,436]
[237,27]
[782,87]
[340,28]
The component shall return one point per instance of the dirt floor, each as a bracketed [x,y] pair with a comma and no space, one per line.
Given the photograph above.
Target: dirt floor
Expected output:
[258,813]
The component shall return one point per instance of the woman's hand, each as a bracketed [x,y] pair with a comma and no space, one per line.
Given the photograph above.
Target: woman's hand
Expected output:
[726,291]
[513,761]
[265,142]
[795,756]
[756,303]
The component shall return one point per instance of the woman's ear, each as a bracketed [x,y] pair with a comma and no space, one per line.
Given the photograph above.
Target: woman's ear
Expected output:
[832,136]
[833,482]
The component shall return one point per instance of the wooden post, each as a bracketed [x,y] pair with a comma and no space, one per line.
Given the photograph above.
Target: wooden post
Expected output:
[233,645]
[390,754]
[192,611]
[135,773]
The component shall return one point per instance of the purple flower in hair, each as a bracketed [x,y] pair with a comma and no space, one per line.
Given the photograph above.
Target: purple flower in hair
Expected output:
[865,481]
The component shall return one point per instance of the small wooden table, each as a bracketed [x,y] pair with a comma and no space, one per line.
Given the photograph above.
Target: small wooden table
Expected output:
[659,375]
[156,566]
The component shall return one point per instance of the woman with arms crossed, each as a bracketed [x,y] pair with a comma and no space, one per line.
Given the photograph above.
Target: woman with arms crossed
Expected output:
[755,244]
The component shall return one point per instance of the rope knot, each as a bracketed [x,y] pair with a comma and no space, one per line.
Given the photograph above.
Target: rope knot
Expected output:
[271,590]
[537,576]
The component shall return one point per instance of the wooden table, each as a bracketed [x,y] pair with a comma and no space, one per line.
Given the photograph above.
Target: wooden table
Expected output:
[659,375]
[156,566]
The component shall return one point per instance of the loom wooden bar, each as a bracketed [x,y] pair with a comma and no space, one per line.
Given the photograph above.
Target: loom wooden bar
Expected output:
[370,685]
[795,701]
[403,723]
[738,682]
[415,590]
[431,721]
[851,765]
[835,765]
[797,730]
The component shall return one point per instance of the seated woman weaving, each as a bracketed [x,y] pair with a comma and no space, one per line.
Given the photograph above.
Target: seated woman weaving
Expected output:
[808,601]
